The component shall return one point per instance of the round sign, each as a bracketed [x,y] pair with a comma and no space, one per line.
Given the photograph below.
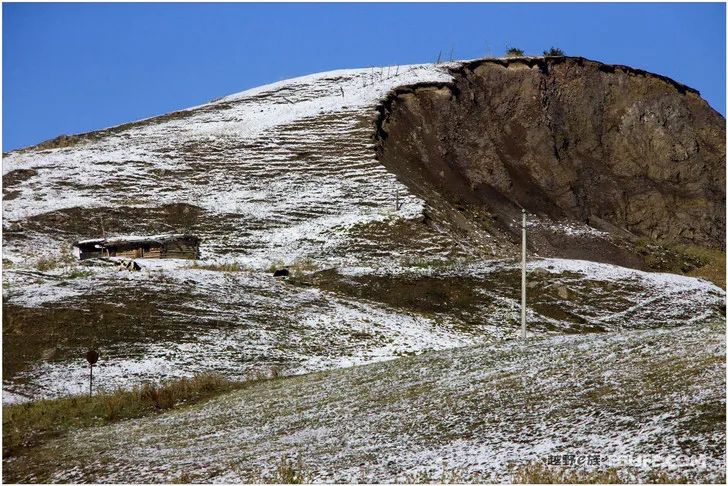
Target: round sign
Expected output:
[92,357]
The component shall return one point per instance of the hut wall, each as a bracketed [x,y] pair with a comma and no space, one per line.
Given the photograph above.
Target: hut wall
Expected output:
[153,252]
[187,248]
[128,253]
[84,254]
[180,249]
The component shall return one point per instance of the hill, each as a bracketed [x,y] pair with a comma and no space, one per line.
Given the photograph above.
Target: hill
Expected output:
[390,196]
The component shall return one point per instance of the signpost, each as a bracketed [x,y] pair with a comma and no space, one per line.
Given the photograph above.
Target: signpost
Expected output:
[92,357]
[523,276]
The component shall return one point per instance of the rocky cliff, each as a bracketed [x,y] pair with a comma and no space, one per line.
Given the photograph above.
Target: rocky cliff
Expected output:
[629,153]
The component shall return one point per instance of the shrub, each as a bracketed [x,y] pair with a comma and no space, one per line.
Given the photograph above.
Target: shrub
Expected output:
[554,51]
[514,52]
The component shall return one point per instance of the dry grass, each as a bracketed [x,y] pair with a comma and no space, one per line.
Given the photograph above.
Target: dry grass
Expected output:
[540,473]
[288,471]
[30,424]
[448,476]
[47,263]
[78,273]
[298,268]
[219,267]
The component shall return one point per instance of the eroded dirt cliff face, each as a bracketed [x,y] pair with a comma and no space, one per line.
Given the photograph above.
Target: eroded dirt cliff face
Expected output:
[628,153]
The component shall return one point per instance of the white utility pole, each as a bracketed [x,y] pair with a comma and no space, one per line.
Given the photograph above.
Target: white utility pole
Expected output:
[523,276]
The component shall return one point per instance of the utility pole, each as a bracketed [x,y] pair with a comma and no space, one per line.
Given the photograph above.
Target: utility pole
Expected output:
[523,276]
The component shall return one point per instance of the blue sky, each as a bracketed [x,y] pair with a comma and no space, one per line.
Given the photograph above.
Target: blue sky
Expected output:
[69,68]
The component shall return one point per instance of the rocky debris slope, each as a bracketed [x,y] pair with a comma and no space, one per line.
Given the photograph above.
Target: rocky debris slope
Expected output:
[644,402]
[628,153]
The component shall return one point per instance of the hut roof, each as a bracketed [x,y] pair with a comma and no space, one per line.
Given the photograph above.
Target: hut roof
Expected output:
[134,240]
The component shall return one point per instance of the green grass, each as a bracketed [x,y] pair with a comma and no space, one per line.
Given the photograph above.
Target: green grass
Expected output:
[30,424]
[693,260]
[712,260]
[540,473]
[439,263]
[476,395]
[78,273]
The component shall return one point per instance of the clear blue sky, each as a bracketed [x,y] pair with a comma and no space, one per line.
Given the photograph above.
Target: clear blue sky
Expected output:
[69,68]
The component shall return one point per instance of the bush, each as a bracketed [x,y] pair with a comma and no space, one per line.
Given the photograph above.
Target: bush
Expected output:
[554,51]
[514,52]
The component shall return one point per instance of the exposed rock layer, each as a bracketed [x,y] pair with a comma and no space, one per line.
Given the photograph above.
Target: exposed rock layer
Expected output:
[624,151]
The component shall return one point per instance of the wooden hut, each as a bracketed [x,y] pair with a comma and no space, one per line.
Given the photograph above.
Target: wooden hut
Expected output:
[157,246]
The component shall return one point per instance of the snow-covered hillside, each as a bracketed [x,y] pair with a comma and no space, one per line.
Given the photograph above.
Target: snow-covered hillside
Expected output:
[277,172]
[283,174]
[642,402]
[286,175]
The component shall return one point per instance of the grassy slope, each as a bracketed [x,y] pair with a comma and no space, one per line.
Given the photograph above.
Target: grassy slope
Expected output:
[182,321]
[473,410]
[28,425]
